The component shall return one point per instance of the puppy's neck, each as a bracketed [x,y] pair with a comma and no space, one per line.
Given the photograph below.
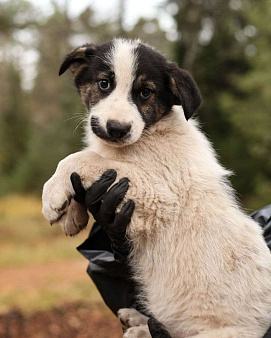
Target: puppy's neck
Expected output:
[170,124]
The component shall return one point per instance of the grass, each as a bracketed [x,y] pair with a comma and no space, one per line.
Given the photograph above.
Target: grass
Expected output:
[45,297]
[39,266]
[26,237]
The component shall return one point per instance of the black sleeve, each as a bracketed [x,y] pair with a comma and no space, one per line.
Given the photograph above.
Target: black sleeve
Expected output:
[263,218]
[111,277]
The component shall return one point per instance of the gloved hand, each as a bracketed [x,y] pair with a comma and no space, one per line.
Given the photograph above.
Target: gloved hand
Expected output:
[102,204]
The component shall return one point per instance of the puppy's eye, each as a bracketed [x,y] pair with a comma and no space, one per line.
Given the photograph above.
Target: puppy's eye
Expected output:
[104,85]
[145,93]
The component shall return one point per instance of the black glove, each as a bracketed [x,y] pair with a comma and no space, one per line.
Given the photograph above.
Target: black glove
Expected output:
[102,204]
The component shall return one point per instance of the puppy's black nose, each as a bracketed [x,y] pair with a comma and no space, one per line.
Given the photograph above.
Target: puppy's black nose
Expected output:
[117,130]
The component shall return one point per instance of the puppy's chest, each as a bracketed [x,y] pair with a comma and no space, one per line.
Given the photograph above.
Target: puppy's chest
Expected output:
[158,180]
[155,189]
[155,180]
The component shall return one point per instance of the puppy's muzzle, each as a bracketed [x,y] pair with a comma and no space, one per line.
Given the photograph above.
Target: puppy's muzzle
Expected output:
[117,130]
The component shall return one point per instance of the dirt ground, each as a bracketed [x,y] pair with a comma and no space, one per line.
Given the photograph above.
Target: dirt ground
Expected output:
[69,321]
[35,276]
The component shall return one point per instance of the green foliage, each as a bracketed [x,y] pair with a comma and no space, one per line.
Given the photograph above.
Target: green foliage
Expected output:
[225,44]
[14,124]
[235,86]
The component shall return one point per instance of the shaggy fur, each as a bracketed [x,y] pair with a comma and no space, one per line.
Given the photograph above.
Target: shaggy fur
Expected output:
[202,264]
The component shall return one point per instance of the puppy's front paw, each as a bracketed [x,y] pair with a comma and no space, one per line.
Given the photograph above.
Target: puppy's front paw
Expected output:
[56,197]
[75,219]
[141,331]
[131,317]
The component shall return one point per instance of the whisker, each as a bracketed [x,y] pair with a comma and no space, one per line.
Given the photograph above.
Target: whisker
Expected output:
[76,115]
[71,118]
[78,125]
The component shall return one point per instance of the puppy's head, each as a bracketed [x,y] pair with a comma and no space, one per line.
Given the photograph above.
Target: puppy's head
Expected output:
[128,86]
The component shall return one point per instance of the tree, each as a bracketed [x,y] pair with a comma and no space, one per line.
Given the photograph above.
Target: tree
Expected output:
[54,103]
[14,118]
[250,113]
[214,47]
[14,132]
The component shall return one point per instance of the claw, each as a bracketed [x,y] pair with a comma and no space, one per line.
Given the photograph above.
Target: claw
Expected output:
[64,206]
[58,218]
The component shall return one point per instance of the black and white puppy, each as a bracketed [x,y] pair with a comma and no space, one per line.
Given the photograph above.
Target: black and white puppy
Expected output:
[198,275]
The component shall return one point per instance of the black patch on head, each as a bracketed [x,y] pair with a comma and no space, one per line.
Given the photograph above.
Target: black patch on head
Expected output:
[173,86]
[151,68]
[88,64]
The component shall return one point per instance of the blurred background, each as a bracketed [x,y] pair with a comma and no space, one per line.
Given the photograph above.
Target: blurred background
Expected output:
[44,290]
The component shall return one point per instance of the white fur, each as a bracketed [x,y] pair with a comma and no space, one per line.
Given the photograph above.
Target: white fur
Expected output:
[202,263]
[141,331]
[118,105]
[131,317]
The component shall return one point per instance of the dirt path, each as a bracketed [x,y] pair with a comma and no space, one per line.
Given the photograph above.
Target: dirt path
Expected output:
[69,320]
[37,275]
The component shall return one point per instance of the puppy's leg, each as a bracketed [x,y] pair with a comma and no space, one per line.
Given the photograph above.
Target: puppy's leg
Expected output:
[141,331]
[229,332]
[58,191]
[131,317]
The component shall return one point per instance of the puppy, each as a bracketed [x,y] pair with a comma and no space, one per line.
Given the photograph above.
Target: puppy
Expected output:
[202,264]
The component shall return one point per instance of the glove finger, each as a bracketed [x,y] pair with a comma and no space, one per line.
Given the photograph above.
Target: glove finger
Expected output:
[123,218]
[115,195]
[111,200]
[117,230]
[78,188]
[96,191]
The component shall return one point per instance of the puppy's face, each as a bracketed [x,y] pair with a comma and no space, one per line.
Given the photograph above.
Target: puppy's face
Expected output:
[128,86]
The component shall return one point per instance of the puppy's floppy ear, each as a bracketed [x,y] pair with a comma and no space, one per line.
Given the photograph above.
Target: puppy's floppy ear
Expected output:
[185,90]
[77,59]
